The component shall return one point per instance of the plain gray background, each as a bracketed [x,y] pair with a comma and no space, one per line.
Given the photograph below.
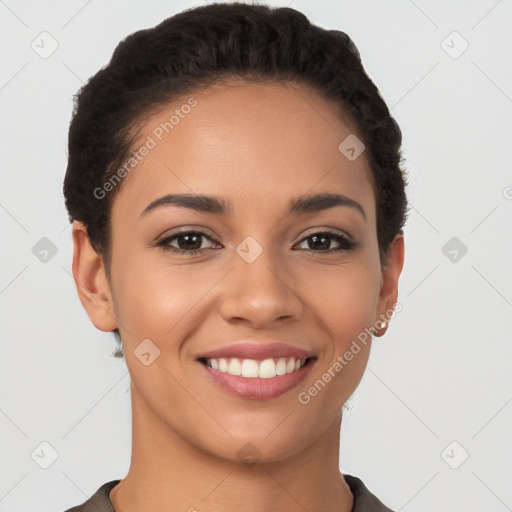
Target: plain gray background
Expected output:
[429,427]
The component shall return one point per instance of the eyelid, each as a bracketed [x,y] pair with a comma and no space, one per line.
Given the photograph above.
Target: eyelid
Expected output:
[186,229]
[204,231]
[327,229]
[345,241]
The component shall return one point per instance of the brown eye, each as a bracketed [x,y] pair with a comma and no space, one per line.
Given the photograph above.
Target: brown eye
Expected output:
[322,241]
[189,242]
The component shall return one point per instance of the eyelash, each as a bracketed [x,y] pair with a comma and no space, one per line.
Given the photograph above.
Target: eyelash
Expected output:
[345,243]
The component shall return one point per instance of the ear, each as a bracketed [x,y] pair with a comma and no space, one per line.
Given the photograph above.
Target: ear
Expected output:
[389,283]
[91,280]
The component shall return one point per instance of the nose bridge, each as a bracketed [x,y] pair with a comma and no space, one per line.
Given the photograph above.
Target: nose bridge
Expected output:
[259,270]
[259,289]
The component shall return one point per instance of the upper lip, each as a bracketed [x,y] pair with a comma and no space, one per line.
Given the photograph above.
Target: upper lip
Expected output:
[258,350]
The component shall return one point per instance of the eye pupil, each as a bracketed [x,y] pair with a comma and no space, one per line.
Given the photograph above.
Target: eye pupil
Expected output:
[325,245]
[187,236]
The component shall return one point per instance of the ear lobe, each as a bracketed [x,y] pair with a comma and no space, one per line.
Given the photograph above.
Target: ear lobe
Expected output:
[91,281]
[390,274]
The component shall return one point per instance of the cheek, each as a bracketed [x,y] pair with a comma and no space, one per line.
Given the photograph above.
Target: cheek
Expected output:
[151,301]
[345,304]
[159,300]
[345,298]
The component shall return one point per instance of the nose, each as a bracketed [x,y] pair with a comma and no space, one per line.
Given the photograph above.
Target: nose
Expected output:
[260,293]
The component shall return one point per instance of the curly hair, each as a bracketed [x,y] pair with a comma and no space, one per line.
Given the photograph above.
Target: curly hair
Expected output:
[204,46]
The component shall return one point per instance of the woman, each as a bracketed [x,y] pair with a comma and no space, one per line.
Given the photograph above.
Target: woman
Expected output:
[237,202]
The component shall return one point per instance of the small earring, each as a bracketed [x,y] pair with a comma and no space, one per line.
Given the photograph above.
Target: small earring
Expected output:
[382,324]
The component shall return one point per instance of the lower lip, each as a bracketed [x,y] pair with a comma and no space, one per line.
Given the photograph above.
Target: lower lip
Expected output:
[256,388]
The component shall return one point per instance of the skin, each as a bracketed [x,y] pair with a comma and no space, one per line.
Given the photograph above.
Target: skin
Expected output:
[258,146]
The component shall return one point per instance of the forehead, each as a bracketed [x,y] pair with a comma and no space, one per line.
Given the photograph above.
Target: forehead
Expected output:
[239,140]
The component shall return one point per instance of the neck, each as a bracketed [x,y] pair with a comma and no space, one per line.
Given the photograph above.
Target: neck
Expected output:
[167,471]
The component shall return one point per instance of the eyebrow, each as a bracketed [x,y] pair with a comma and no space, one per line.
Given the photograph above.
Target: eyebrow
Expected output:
[216,205]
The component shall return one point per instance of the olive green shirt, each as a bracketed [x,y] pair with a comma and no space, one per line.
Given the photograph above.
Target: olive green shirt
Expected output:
[364,500]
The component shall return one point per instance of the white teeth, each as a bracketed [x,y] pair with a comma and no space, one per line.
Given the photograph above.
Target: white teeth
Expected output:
[267,369]
[281,367]
[234,367]
[223,365]
[251,368]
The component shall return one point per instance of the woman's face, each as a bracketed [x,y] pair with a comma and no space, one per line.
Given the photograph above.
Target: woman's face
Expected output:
[260,274]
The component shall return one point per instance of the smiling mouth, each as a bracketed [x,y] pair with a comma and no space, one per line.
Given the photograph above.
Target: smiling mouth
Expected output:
[256,369]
